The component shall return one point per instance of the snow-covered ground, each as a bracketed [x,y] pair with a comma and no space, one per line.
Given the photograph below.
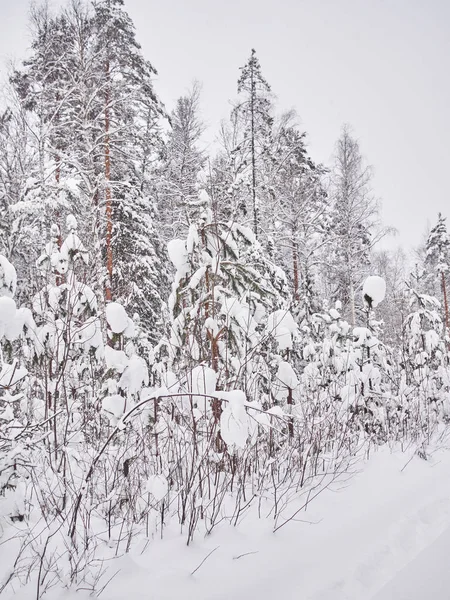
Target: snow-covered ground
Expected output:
[383,535]
[427,576]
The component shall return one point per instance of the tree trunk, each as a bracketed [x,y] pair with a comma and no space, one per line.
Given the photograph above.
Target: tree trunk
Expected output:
[252,112]
[444,292]
[290,402]
[108,205]
[295,270]
[59,278]
[352,303]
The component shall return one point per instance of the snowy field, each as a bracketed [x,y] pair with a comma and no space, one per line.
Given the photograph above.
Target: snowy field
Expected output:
[383,535]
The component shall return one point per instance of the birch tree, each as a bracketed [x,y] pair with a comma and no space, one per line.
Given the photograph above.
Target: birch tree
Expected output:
[355,225]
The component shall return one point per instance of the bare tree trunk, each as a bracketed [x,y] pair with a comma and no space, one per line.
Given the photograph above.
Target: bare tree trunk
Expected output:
[252,111]
[109,226]
[352,303]
[444,292]
[59,278]
[290,402]
[295,270]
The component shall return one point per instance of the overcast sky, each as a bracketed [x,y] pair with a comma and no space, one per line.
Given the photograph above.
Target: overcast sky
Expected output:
[380,65]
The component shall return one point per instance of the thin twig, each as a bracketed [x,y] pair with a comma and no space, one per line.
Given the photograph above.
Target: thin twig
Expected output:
[107,583]
[206,557]
[245,554]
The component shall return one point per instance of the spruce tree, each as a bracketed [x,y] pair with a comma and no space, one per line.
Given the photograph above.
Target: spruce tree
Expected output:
[181,166]
[438,259]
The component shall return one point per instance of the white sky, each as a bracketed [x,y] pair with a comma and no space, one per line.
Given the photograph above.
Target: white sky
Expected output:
[380,65]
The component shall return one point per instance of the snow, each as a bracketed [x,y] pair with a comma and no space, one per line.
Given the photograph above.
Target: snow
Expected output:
[276,411]
[202,380]
[431,340]
[115,359]
[7,414]
[8,278]
[374,288]
[194,348]
[240,312]
[114,406]
[14,327]
[196,278]
[135,375]
[348,544]
[334,314]
[426,576]
[59,262]
[73,246]
[191,242]
[287,375]
[364,337]
[204,198]
[13,320]
[116,317]
[81,296]
[259,313]
[157,486]
[179,257]
[383,534]
[211,325]
[130,330]
[10,374]
[90,334]
[281,326]
[71,223]
[7,310]
[246,232]
[234,421]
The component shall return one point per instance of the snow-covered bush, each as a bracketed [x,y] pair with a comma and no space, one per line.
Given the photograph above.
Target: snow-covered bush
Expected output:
[14,413]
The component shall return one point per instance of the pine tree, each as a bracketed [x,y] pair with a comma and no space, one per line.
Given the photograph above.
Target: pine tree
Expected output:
[438,258]
[19,219]
[14,385]
[252,121]
[302,212]
[425,363]
[43,86]
[130,110]
[90,98]
[222,289]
